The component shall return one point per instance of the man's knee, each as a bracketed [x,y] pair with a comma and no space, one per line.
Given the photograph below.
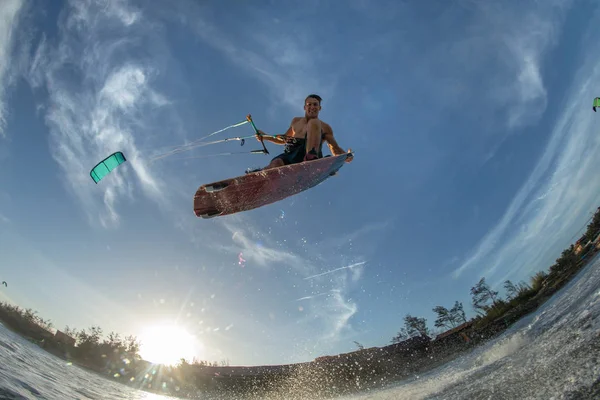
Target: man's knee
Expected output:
[278,162]
[314,125]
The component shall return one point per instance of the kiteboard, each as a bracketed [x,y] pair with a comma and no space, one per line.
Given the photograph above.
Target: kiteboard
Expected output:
[264,187]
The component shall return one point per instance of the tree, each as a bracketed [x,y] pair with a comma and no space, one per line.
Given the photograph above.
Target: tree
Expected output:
[450,318]
[443,319]
[45,323]
[30,315]
[359,346]
[482,294]
[88,341]
[537,281]
[183,363]
[457,314]
[511,290]
[593,227]
[115,343]
[415,326]
[132,345]
[72,332]
[567,259]
[401,336]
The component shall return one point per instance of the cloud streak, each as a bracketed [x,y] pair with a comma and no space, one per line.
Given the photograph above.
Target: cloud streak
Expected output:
[9,17]
[335,270]
[558,195]
[313,296]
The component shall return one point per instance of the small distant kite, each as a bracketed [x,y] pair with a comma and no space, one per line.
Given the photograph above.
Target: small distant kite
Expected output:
[105,166]
[4,283]
[596,103]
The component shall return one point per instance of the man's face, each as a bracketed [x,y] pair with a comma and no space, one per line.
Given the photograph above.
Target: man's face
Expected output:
[312,107]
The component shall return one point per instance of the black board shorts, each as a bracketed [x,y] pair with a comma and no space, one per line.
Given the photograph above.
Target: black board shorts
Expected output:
[294,152]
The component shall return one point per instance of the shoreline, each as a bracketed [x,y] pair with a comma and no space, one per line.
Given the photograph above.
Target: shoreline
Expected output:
[350,373]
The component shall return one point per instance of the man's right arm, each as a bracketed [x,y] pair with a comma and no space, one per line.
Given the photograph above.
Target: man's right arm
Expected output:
[277,139]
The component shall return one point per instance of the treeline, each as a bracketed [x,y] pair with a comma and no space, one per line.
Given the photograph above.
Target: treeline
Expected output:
[115,356]
[88,348]
[27,317]
[520,298]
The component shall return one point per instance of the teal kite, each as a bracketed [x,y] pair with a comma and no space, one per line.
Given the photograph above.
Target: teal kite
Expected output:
[105,166]
[596,103]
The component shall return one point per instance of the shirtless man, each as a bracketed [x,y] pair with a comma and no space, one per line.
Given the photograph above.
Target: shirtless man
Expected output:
[304,138]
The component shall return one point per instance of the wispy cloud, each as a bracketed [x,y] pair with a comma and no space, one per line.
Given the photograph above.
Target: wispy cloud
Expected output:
[4,219]
[492,66]
[281,58]
[9,17]
[514,40]
[262,254]
[333,310]
[97,98]
[557,197]
[529,36]
[336,308]
[342,310]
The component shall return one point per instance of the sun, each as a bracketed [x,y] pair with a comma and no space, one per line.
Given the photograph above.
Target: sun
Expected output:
[168,344]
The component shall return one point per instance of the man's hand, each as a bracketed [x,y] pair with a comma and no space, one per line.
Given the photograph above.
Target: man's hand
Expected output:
[258,135]
[277,139]
[349,159]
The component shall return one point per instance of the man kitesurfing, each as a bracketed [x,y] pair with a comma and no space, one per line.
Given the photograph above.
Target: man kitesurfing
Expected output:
[300,167]
[304,138]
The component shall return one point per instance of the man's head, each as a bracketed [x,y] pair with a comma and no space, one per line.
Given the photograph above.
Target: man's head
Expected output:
[312,106]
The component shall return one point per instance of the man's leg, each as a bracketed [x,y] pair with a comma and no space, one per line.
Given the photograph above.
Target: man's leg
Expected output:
[313,138]
[277,162]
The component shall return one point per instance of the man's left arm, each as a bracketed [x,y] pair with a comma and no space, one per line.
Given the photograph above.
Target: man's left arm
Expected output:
[334,147]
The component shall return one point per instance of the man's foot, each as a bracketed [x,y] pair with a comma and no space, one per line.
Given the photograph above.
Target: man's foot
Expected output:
[250,170]
[311,155]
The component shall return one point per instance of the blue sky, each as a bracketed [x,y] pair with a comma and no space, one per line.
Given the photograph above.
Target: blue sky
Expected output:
[476,155]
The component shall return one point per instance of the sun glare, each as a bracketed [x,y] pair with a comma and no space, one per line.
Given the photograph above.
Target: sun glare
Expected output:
[168,344]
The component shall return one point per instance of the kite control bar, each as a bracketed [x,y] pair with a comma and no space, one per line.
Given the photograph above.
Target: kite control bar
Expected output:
[249,118]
